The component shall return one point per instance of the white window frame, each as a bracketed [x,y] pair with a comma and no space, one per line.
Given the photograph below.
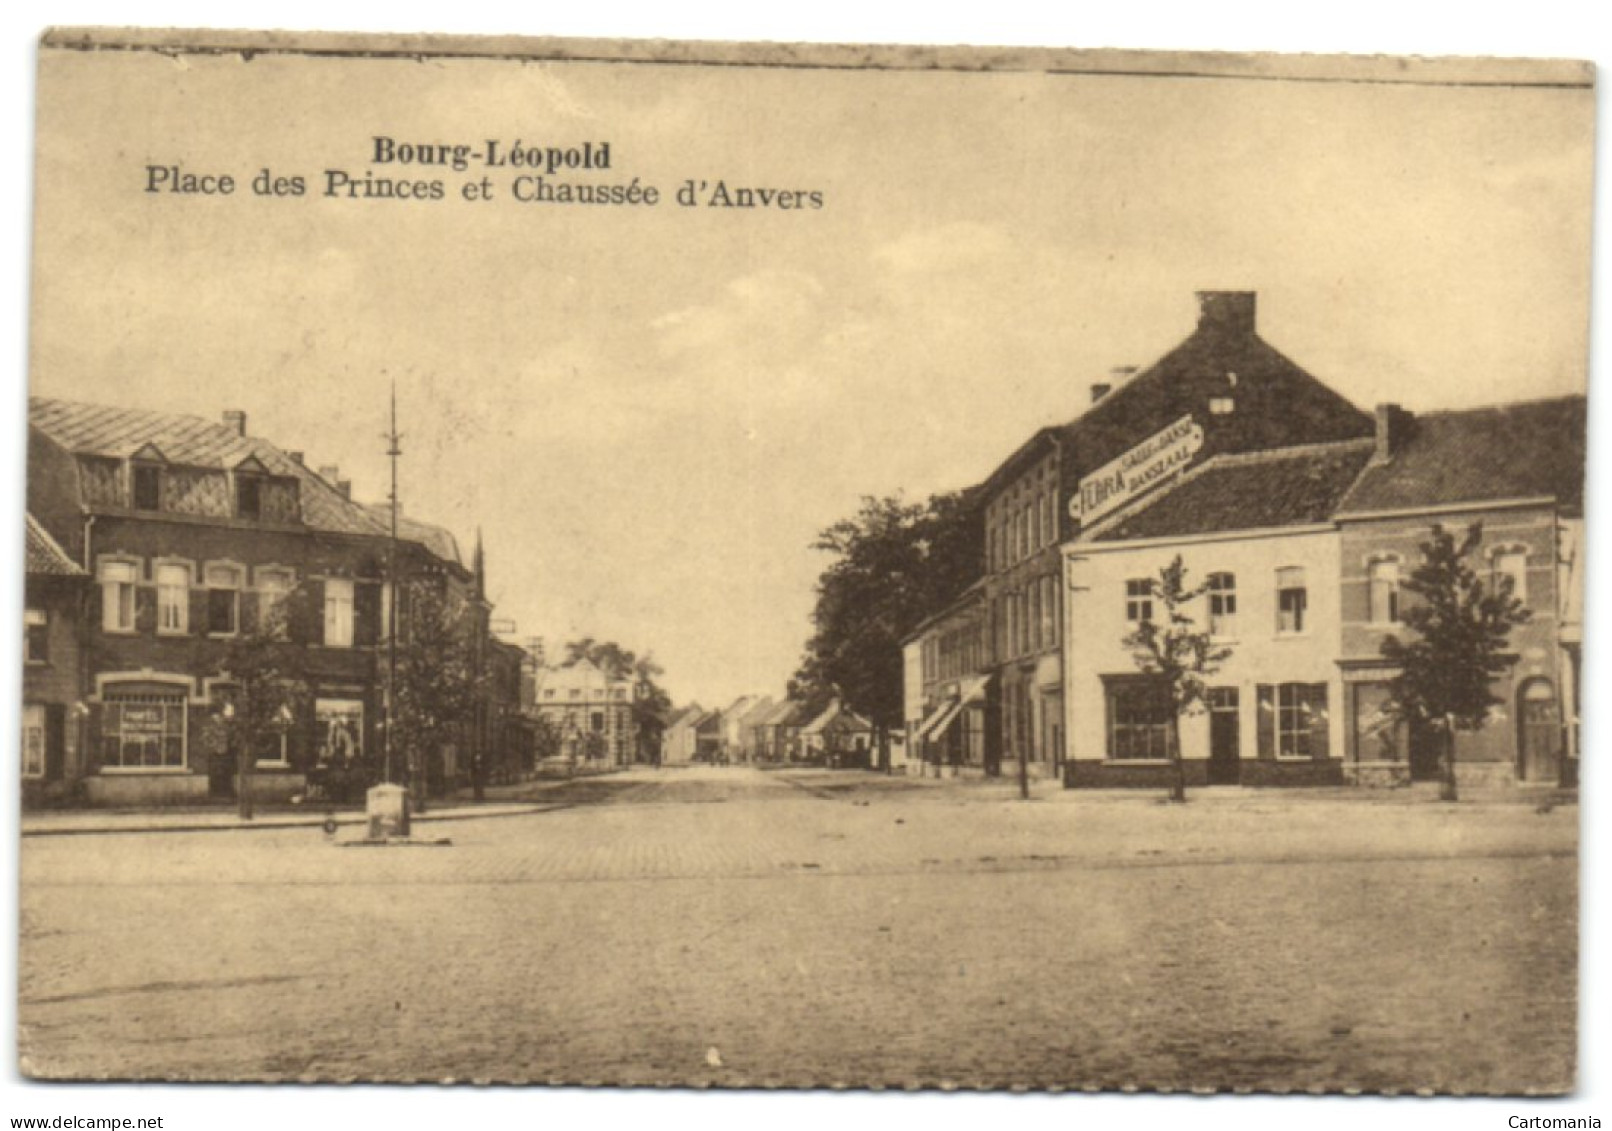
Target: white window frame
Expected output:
[1284,585]
[1500,565]
[33,618]
[170,701]
[181,607]
[1301,708]
[1382,575]
[34,737]
[1222,605]
[270,594]
[236,573]
[1138,599]
[118,595]
[339,612]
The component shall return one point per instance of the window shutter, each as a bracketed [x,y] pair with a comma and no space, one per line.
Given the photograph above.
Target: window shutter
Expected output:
[1320,720]
[145,608]
[250,603]
[1265,696]
[308,613]
[366,614]
[55,740]
[196,622]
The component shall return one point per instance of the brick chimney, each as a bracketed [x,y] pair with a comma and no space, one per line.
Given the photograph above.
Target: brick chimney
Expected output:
[296,458]
[1394,427]
[1099,391]
[329,473]
[235,421]
[345,486]
[1227,310]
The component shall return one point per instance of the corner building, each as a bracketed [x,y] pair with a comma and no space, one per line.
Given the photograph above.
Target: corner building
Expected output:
[1223,389]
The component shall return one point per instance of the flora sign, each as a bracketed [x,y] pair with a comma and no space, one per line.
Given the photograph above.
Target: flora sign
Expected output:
[1121,480]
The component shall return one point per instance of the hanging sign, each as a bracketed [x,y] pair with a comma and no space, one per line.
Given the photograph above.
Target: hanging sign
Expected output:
[1121,480]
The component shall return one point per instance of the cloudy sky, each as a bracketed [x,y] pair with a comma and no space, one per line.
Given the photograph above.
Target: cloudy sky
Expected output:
[650,411]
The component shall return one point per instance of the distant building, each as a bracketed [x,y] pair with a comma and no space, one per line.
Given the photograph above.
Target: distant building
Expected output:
[677,739]
[590,710]
[837,736]
[777,732]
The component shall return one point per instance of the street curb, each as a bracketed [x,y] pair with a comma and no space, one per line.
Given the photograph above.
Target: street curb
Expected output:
[311,822]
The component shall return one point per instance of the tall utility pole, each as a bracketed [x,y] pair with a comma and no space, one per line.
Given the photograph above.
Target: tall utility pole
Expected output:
[394,449]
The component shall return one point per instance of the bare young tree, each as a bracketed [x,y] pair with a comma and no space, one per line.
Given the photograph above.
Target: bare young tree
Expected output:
[1178,654]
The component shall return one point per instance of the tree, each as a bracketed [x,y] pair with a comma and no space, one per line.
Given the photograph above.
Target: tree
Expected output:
[1177,654]
[894,564]
[260,682]
[435,697]
[1462,627]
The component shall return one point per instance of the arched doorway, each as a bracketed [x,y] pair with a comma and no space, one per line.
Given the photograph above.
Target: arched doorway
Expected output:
[1539,732]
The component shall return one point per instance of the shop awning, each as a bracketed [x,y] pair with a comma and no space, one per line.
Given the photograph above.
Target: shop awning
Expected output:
[972,691]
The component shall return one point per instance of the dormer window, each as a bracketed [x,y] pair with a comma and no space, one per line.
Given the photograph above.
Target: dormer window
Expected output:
[248,497]
[1222,406]
[147,487]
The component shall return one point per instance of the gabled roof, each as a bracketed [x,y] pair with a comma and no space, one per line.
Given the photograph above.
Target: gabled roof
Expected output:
[782,714]
[46,556]
[1248,491]
[1531,449]
[121,433]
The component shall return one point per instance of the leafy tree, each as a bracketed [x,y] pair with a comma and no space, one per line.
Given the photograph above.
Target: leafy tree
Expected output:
[263,692]
[894,564]
[435,697]
[1178,654]
[1462,626]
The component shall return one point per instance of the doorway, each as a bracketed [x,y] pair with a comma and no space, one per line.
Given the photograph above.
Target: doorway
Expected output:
[1225,737]
[1539,737]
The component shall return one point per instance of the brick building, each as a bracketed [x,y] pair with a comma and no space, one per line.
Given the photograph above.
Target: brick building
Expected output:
[191,532]
[56,592]
[1518,470]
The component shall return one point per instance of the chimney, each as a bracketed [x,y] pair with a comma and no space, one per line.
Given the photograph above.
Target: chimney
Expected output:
[1226,310]
[296,458]
[1099,391]
[1117,376]
[1394,427]
[330,473]
[345,486]
[235,421]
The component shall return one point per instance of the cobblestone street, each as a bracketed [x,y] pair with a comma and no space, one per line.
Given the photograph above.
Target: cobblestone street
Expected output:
[737,928]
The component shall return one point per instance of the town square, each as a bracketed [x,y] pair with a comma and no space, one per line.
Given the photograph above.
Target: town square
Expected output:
[1064,572]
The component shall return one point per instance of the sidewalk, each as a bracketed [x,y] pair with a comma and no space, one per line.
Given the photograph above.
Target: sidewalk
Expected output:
[224,819]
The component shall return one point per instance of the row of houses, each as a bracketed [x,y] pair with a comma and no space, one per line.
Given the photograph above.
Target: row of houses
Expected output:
[155,542]
[1301,516]
[757,729]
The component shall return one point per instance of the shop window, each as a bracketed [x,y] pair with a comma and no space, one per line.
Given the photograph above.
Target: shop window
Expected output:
[1383,585]
[1301,712]
[117,581]
[1139,600]
[339,724]
[1292,600]
[1222,604]
[173,599]
[1139,714]
[36,636]
[147,483]
[143,732]
[33,740]
[338,612]
[223,600]
[1511,562]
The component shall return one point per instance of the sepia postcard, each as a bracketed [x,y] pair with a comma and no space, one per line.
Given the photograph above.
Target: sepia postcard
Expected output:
[676,564]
